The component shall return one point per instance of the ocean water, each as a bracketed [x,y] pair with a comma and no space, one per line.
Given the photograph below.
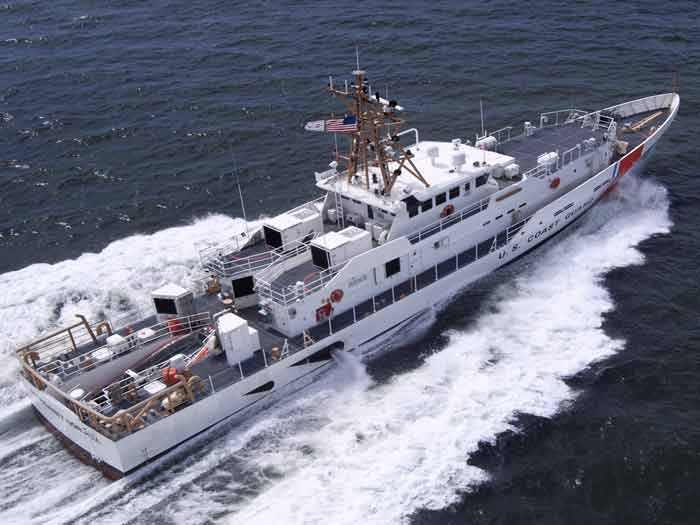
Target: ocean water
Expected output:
[562,389]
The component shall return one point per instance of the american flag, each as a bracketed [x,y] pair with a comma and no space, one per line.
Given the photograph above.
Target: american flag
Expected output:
[341,125]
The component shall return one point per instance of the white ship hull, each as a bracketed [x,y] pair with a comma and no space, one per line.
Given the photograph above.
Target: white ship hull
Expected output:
[364,337]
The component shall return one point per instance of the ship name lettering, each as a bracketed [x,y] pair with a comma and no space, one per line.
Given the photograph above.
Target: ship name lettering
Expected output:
[543,231]
[357,280]
[79,428]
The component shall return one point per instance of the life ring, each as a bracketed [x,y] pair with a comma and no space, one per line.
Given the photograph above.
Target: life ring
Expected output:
[336,295]
[447,210]
[554,183]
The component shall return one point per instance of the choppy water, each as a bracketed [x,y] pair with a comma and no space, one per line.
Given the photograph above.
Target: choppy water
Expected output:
[562,389]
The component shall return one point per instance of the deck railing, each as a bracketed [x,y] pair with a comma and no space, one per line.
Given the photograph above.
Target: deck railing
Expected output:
[448,221]
[210,254]
[47,355]
[288,294]
[502,136]
[40,361]
[99,409]
[222,259]
[232,266]
[416,139]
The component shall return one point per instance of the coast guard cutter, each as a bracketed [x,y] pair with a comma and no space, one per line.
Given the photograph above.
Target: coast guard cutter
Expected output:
[401,224]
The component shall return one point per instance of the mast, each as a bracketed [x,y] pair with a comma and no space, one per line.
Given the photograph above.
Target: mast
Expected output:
[374,144]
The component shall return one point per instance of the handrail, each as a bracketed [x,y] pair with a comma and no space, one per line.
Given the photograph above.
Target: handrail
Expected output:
[125,421]
[498,134]
[410,130]
[288,294]
[87,361]
[226,266]
[571,115]
[221,259]
[448,221]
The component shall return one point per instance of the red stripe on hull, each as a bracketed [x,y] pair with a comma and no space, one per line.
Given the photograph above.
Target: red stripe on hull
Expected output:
[625,165]
[628,160]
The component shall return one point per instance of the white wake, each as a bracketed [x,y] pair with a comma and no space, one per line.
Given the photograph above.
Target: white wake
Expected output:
[347,450]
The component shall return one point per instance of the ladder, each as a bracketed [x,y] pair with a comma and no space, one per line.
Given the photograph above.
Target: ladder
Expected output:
[340,219]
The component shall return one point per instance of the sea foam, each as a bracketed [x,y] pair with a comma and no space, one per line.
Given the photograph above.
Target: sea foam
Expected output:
[346,449]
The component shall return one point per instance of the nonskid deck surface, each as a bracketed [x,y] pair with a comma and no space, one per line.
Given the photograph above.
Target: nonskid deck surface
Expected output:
[526,149]
[214,370]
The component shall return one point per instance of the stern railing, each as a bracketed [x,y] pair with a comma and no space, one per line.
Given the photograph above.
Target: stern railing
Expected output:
[50,355]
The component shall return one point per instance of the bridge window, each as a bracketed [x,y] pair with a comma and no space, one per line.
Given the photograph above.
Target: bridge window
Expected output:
[426,205]
[411,206]
[454,192]
[481,180]
[440,199]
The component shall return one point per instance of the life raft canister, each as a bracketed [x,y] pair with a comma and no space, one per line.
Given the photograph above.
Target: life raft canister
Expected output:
[447,210]
[554,183]
[336,295]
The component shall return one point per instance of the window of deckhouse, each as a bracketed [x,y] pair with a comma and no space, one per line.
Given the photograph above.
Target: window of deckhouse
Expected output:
[392,267]
[411,205]
[481,180]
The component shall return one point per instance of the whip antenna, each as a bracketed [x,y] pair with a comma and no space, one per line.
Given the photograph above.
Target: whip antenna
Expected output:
[481,110]
[240,192]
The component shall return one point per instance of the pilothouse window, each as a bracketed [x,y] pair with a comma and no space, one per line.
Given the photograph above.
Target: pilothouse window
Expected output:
[411,205]
[440,198]
[481,180]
